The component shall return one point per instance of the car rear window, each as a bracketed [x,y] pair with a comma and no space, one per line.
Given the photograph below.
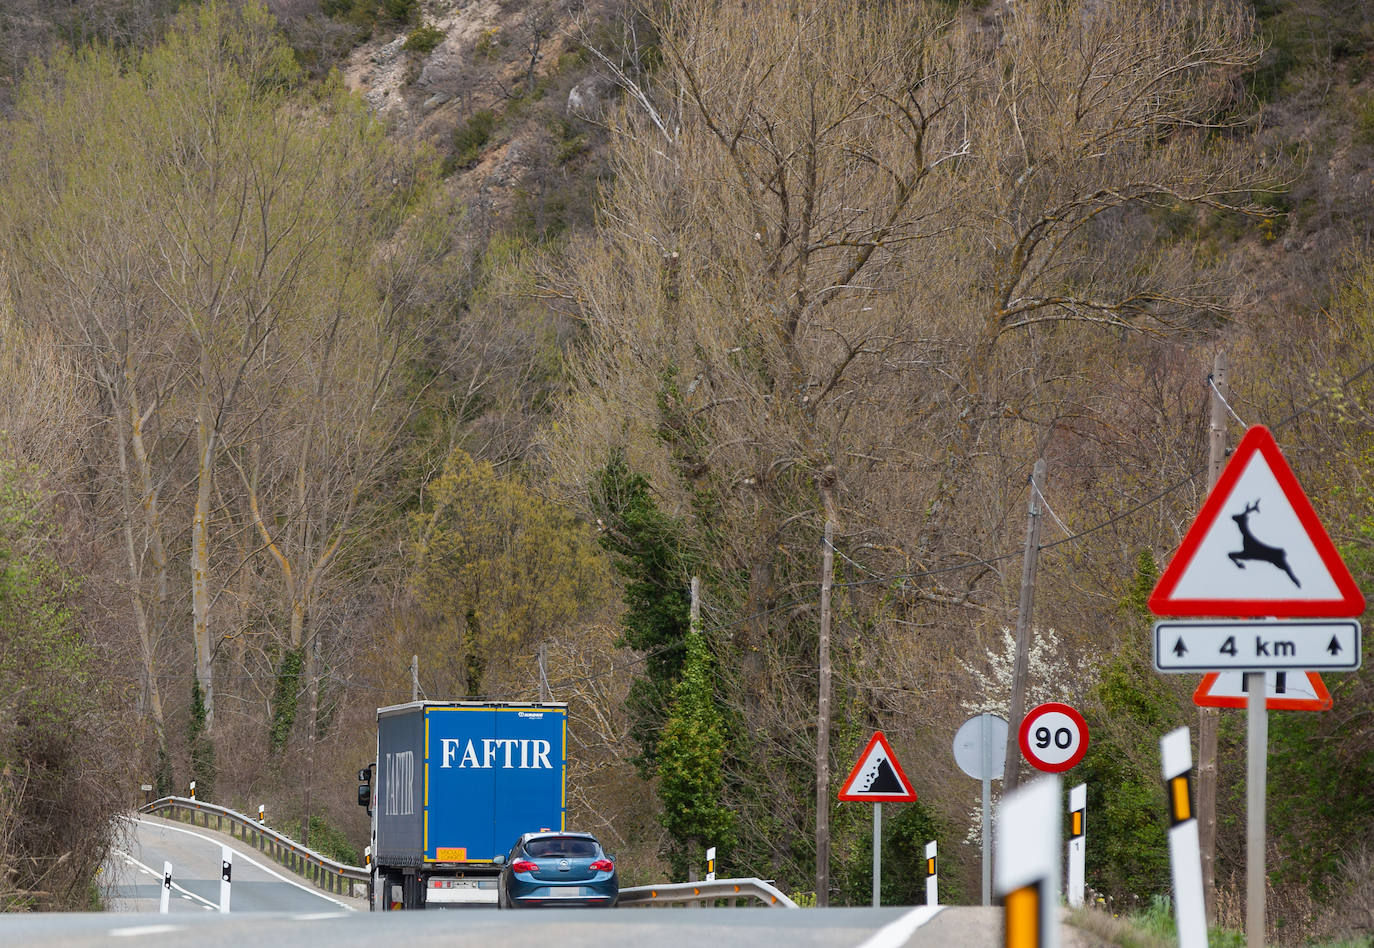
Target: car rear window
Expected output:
[566,847]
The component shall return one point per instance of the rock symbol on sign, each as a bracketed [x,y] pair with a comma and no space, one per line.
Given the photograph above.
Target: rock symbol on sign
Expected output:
[878,777]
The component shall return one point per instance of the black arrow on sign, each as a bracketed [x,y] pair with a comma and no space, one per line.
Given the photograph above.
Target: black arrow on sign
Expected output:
[1179,648]
[1334,647]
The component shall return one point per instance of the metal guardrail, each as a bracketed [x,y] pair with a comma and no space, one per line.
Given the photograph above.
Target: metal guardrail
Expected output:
[324,872]
[343,879]
[731,891]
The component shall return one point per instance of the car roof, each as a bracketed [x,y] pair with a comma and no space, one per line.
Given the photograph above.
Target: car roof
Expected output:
[551,834]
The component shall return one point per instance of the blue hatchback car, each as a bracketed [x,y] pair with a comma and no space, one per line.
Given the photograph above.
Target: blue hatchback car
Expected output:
[557,869]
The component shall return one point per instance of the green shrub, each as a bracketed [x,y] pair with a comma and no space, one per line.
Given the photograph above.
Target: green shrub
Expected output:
[423,39]
[326,839]
[401,11]
[471,137]
[488,44]
[367,13]
[1364,119]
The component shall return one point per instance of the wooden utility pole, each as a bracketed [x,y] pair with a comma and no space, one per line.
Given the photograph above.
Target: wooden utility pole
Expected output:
[827,486]
[414,678]
[545,692]
[1024,611]
[694,625]
[1208,722]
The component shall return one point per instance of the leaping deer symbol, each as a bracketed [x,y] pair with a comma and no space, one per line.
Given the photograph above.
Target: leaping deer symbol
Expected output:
[1252,549]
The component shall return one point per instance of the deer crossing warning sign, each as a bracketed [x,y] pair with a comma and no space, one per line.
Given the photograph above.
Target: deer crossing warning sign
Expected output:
[1257,548]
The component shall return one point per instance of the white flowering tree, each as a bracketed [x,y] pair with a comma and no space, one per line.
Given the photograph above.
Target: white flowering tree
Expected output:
[1054,673]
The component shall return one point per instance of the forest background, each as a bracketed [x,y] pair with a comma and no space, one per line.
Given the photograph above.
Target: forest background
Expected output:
[334,332]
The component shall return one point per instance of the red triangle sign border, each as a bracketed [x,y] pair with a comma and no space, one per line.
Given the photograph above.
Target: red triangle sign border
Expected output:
[1204,698]
[847,792]
[1257,439]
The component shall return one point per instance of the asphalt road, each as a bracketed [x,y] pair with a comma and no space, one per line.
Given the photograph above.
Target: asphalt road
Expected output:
[567,928]
[134,874]
[954,927]
[271,907]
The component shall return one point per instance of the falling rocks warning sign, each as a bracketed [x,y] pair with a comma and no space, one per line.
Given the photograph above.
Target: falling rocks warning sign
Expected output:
[877,777]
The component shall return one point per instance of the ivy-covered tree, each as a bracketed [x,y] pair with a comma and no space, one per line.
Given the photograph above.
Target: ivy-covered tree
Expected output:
[651,553]
[57,793]
[691,752]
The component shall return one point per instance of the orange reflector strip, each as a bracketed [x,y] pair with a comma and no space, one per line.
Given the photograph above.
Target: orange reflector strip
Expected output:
[930,866]
[1076,823]
[1180,801]
[1023,918]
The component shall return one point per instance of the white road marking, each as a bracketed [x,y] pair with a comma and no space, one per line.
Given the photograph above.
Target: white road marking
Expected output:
[158,876]
[895,934]
[316,916]
[238,854]
[138,931]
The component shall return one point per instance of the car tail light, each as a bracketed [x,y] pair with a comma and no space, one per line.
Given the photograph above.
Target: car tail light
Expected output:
[603,865]
[523,865]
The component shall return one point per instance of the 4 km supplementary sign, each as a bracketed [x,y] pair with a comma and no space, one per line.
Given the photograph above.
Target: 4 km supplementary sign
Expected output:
[1257,646]
[1257,548]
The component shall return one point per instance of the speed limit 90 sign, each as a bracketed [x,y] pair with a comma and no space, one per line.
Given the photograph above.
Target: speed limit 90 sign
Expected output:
[1054,737]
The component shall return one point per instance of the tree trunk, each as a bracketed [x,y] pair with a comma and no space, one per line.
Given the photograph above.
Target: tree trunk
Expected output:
[200,559]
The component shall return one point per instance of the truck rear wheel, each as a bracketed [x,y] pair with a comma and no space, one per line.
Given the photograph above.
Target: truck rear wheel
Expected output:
[382,892]
[413,889]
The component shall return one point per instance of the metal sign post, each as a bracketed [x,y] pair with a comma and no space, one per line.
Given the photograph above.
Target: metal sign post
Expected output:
[1256,775]
[980,751]
[877,854]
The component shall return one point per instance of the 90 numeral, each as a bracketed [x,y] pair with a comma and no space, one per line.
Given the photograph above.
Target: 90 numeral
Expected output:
[1062,737]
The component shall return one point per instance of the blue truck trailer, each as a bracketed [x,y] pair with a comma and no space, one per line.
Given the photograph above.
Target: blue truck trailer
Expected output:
[454,784]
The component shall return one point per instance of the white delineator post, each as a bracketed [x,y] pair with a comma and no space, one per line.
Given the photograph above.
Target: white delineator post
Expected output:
[166,888]
[932,877]
[226,869]
[1027,864]
[1078,813]
[1185,855]
[711,864]
[262,813]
